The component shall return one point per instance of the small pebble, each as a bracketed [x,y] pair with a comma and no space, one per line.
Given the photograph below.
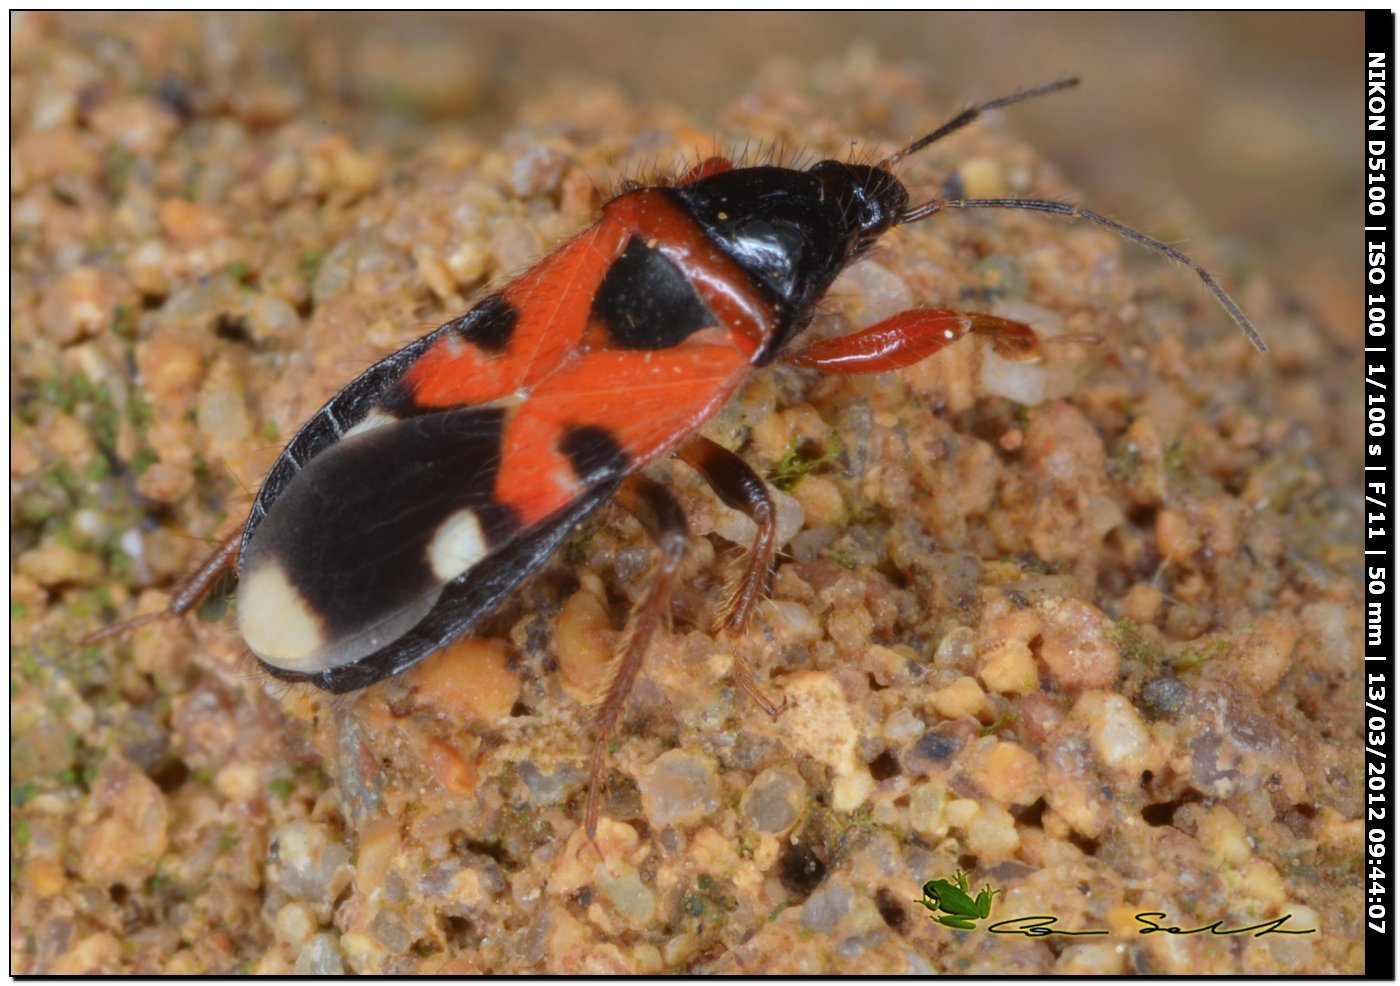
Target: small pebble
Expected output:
[78,303]
[1021,382]
[1262,656]
[823,911]
[320,957]
[552,788]
[1119,736]
[1008,772]
[537,171]
[1076,648]
[583,642]
[817,719]
[311,860]
[149,266]
[775,800]
[903,726]
[964,697]
[222,414]
[1142,604]
[849,791]
[1166,694]
[849,628]
[296,922]
[993,835]
[926,809]
[983,178]
[471,679]
[1005,663]
[820,499]
[871,292]
[190,224]
[1177,540]
[935,748]
[162,483]
[54,564]
[795,619]
[630,897]
[956,649]
[23,459]
[678,788]
[454,772]
[389,930]
[132,831]
[43,878]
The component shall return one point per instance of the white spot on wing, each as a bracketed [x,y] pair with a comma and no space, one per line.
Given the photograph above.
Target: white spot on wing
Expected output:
[277,622]
[375,419]
[457,546]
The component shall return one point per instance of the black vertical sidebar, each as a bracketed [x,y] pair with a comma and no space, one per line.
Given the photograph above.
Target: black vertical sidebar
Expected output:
[1380,862]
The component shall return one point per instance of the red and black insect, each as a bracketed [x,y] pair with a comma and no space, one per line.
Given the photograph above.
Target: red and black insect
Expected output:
[411,504]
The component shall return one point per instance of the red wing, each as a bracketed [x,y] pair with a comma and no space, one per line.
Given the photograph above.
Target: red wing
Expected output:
[548,311]
[634,406]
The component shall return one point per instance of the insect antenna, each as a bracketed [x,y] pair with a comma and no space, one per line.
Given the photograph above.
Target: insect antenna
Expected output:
[972,113]
[1127,232]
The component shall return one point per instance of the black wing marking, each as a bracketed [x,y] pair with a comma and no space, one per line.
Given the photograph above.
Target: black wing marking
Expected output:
[483,324]
[463,602]
[324,428]
[351,531]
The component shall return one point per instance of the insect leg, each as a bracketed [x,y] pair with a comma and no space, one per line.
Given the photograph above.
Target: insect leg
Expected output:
[659,513]
[909,337]
[188,593]
[740,488]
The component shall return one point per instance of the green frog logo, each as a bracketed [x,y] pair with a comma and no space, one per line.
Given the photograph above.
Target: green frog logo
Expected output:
[953,899]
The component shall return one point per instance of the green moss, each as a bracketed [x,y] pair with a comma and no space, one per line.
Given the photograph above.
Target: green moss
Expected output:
[117,165]
[577,549]
[309,263]
[98,470]
[51,391]
[1195,656]
[104,422]
[143,460]
[124,321]
[28,667]
[845,561]
[797,461]
[1131,644]
[1174,458]
[280,787]
[1001,723]
[139,412]
[80,389]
